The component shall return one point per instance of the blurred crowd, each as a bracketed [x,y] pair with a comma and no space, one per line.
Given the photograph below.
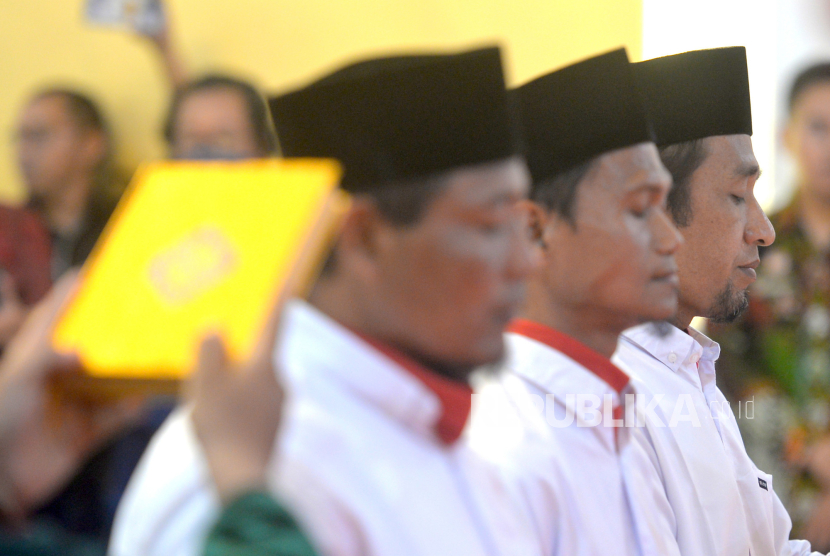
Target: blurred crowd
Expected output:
[65,467]
[66,159]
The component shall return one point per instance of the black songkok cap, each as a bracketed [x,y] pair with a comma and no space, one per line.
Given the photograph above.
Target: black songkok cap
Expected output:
[579,112]
[697,94]
[404,117]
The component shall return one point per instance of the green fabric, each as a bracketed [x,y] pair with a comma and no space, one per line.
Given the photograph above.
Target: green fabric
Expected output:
[255,524]
[47,539]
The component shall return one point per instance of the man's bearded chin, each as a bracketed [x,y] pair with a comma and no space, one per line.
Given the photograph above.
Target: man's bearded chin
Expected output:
[728,305]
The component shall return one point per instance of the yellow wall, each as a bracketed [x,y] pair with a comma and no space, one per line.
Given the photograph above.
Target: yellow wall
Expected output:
[278,44]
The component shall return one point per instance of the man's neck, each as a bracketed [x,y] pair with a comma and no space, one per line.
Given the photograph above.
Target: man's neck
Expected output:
[815,218]
[65,211]
[683,318]
[334,297]
[594,328]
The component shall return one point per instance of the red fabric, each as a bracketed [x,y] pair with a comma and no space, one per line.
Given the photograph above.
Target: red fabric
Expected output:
[26,252]
[576,350]
[456,397]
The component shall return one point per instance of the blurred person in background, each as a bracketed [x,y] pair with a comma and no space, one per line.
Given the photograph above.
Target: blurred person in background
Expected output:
[218,117]
[214,117]
[157,29]
[25,266]
[64,153]
[45,439]
[778,355]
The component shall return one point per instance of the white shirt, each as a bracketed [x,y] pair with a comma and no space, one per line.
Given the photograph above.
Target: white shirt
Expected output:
[579,478]
[358,465]
[721,503]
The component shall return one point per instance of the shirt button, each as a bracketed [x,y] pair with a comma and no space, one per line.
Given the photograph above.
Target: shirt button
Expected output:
[672,358]
[695,359]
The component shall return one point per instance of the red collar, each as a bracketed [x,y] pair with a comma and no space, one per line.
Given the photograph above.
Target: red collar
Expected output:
[456,398]
[599,365]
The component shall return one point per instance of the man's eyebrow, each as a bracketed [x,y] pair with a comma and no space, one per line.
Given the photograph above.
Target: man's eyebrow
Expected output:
[506,198]
[503,197]
[748,170]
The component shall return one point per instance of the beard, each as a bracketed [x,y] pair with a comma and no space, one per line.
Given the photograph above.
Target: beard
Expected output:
[728,305]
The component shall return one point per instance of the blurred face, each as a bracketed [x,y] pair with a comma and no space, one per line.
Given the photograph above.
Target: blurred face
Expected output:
[807,138]
[214,124]
[51,147]
[720,253]
[446,287]
[615,261]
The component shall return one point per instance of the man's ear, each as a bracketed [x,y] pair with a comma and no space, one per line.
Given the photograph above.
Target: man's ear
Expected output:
[357,246]
[537,219]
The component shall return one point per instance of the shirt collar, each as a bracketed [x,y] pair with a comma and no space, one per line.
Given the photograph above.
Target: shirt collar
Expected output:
[455,397]
[597,364]
[317,354]
[688,353]
[563,366]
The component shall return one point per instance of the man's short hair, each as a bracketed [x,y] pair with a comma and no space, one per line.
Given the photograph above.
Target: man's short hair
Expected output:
[401,203]
[404,203]
[109,180]
[682,160]
[85,113]
[558,194]
[813,75]
[257,110]
[83,110]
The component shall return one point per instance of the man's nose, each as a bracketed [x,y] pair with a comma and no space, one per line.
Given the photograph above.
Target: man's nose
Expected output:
[667,238]
[759,230]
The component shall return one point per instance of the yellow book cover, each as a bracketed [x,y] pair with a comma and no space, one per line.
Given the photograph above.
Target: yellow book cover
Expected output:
[196,247]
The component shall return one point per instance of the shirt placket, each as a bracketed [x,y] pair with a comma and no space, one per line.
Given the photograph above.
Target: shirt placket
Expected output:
[706,371]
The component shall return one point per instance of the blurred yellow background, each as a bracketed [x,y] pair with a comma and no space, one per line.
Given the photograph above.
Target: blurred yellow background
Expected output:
[277,45]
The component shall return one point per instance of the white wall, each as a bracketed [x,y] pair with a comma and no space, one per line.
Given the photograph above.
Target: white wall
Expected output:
[671,26]
[803,39]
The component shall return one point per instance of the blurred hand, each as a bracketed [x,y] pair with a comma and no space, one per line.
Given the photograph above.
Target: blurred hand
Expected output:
[156,29]
[44,436]
[236,410]
[12,309]
[152,24]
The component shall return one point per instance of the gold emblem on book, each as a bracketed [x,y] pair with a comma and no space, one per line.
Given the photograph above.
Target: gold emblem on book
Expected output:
[194,265]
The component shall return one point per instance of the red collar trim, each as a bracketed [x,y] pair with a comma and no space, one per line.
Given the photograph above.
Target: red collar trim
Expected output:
[456,398]
[601,366]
